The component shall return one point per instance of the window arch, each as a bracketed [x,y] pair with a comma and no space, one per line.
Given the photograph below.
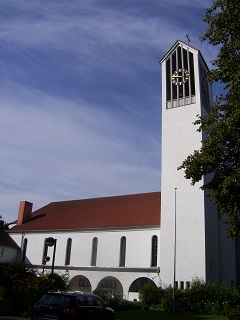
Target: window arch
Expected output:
[154,251]
[94,251]
[68,251]
[122,259]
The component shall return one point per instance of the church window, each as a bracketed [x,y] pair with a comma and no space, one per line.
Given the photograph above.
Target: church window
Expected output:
[122,252]
[191,67]
[24,249]
[204,87]
[94,251]
[68,251]
[45,251]
[84,282]
[139,283]
[154,251]
[108,284]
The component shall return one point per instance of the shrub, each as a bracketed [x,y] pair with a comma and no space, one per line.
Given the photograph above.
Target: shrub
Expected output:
[234,314]
[114,300]
[166,302]
[150,295]
[200,298]
[24,286]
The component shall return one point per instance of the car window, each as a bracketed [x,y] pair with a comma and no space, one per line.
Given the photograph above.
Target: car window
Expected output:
[81,301]
[62,300]
[91,301]
[100,302]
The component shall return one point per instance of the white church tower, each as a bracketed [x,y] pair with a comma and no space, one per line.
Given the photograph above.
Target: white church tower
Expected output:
[193,243]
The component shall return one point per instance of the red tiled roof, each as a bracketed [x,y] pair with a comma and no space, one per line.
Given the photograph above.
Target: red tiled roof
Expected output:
[136,210]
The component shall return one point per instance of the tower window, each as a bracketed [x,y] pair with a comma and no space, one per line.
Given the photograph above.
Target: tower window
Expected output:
[191,67]
[180,79]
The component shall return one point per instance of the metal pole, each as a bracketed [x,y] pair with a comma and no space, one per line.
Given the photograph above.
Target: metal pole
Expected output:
[174,251]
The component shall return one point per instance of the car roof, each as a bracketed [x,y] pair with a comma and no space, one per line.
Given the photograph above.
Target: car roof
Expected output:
[71,293]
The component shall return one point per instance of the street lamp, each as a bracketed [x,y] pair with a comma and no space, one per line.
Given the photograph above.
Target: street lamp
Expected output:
[49,242]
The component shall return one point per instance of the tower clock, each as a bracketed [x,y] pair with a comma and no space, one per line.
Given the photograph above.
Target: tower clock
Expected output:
[180,78]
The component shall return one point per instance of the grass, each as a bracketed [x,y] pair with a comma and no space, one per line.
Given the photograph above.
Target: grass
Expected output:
[161,315]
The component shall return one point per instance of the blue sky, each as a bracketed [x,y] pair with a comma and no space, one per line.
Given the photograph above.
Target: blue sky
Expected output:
[80,95]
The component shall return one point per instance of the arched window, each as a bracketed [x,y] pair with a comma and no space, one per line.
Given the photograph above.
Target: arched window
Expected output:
[24,249]
[94,251]
[122,252]
[154,251]
[68,251]
[139,283]
[45,252]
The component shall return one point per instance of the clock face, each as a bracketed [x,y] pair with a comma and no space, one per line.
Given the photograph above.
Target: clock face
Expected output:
[180,77]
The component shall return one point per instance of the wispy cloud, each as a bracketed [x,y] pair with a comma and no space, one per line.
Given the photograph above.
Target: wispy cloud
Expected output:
[80,87]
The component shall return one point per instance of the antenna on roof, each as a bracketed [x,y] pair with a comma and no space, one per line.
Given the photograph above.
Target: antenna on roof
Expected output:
[187,35]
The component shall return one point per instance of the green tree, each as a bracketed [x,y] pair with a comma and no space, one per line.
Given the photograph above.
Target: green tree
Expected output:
[219,155]
[3,225]
[24,285]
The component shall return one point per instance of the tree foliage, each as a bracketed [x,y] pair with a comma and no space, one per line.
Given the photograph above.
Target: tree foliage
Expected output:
[3,225]
[220,152]
[201,297]
[24,285]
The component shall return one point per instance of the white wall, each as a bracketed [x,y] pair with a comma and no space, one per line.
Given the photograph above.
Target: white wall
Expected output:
[9,254]
[138,253]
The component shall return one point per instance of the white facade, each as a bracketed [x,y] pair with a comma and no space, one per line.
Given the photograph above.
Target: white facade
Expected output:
[137,260]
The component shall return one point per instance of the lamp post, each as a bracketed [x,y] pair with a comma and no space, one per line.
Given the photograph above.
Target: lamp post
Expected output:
[49,243]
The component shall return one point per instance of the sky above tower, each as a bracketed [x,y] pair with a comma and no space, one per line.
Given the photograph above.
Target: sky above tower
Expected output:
[80,95]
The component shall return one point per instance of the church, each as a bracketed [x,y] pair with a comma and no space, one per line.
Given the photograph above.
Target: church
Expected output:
[166,238]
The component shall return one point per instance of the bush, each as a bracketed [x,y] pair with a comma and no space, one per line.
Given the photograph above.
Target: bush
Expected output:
[24,286]
[166,302]
[234,314]
[200,298]
[150,295]
[114,300]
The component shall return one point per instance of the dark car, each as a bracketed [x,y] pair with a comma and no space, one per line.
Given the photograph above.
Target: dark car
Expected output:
[71,306]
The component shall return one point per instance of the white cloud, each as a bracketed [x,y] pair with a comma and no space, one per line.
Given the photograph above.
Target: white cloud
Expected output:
[80,95]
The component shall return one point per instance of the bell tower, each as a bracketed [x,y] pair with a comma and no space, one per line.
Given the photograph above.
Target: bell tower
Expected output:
[181,74]
[189,245]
